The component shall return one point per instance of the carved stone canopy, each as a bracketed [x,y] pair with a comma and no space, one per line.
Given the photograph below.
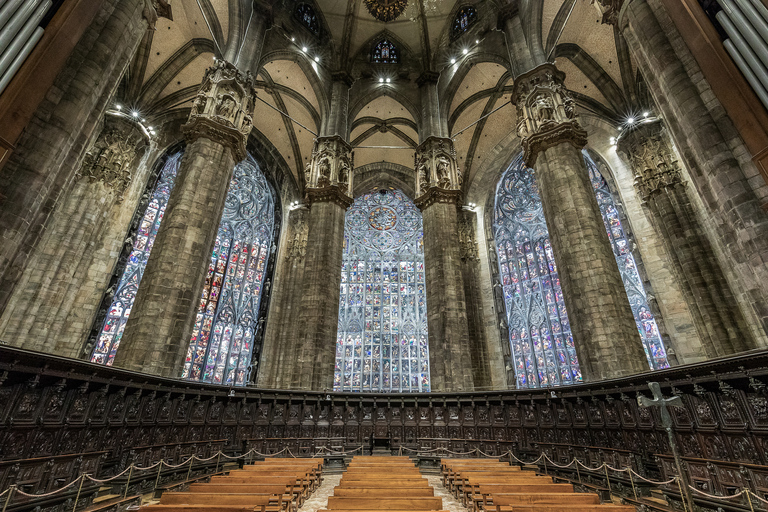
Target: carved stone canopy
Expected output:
[647,148]
[111,159]
[546,112]
[155,9]
[609,9]
[328,176]
[223,108]
[436,166]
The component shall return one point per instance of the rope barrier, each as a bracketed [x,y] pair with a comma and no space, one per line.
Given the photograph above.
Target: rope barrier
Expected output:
[78,479]
[96,480]
[758,497]
[641,477]
[715,497]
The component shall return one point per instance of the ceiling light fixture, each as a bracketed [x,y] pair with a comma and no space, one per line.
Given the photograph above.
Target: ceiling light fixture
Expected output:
[389,80]
[135,114]
[631,120]
[119,107]
[317,58]
[304,49]
[453,61]
[465,51]
[646,114]
[386,10]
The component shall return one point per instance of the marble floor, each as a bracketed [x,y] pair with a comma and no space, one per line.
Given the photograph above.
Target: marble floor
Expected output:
[319,499]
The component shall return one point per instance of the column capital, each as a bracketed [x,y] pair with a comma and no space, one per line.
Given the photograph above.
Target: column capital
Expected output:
[438,177]
[647,149]
[609,9]
[342,76]
[546,112]
[427,77]
[328,176]
[223,108]
[156,9]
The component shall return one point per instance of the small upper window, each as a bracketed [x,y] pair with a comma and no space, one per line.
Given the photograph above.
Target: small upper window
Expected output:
[305,13]
[464,19]
[385,52]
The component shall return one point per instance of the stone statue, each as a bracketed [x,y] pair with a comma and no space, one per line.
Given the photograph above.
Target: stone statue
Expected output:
[443,171]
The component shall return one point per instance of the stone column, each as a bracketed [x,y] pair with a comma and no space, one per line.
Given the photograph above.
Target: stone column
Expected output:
[52,307]
[715,156]
[52,146]
[157,334]
[328,195]
[648,151]
[439,197]
[607,341]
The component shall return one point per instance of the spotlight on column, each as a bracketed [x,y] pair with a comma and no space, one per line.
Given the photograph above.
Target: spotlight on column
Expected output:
[630,120]
[453,61]
[135,114]
[646,114]
[381,80]
[304,49]
[389,80]
[293,39]
[465,51]
[477,41]
[119,107]
[613,140]
[317,58]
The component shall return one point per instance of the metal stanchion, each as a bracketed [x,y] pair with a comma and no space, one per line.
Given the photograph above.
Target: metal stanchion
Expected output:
[578,473]
[128,483]
[189,472]
[218,460]
[605,466]
[682,495]
[749,499]
[159,469]
[11,490]
[77,498]
[632,481]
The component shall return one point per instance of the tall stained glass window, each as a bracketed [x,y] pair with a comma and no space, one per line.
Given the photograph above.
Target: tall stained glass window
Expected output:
[464,19]
[227,318]
[540,336]
[382,336]
[543,349]
[385,52]
[646,324]
[120,309]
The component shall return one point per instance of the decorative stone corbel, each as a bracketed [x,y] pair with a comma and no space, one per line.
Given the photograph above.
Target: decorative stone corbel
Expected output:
[609,10]
[223,108]
[154,10]
[438,177]
[546,112]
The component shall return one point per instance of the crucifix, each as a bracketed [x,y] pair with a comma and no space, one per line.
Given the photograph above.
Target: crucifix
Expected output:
[664,404]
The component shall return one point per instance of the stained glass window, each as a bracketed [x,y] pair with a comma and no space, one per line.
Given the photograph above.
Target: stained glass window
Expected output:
[305,13]
[543,349]
[540,336]
[120,309]
[385,52]
[463,20]
[646,324]
[226,323]
[382,336]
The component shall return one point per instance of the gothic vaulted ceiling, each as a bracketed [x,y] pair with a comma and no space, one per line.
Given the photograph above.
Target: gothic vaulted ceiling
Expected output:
[384,117]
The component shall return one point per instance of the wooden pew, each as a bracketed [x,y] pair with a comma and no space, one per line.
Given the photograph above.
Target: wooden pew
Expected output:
[367,492]
[357,503]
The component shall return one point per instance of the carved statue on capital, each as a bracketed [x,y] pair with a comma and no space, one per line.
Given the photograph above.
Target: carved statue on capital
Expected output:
[437,172]
[546,112]
[647,149]
[609,10]
[223,108]
[329,174]
[156,9]
[111,158]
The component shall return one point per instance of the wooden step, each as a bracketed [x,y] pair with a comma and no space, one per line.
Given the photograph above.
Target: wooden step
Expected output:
[548,507]
[524,498]
[202,498]
[199,508]
[416,482]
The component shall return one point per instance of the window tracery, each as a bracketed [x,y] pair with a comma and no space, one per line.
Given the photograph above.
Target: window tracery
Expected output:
[221,346]
[306,14]
[382,335]
[464,19]
[385,52]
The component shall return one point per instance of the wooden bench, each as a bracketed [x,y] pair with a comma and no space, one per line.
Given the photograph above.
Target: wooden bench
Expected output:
[417,492]
[358,503]
[417,482]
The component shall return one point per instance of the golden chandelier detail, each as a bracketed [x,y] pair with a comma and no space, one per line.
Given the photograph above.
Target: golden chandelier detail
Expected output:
[386,10]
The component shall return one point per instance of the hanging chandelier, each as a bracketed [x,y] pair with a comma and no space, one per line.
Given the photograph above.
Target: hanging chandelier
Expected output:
[386,10]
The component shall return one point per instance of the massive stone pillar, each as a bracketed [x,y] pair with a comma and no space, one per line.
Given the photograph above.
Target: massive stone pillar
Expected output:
[648,151]
[157,335]
[55,302]
[607,341]
[714,154]
[328,195]
[439,197]
[48,153]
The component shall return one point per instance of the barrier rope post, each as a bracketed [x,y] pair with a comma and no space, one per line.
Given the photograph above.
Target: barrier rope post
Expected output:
[218,460]
[11,490]
[749,500]
[578,473]
[128,483]
[189,471]
[632,481]
[682,495]
[605,467]
[80,488]
[159,469]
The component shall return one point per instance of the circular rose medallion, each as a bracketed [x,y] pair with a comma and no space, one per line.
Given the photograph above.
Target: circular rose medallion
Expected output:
[382,218]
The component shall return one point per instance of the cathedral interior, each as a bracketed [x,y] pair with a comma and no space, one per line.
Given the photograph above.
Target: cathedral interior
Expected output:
[534,231]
